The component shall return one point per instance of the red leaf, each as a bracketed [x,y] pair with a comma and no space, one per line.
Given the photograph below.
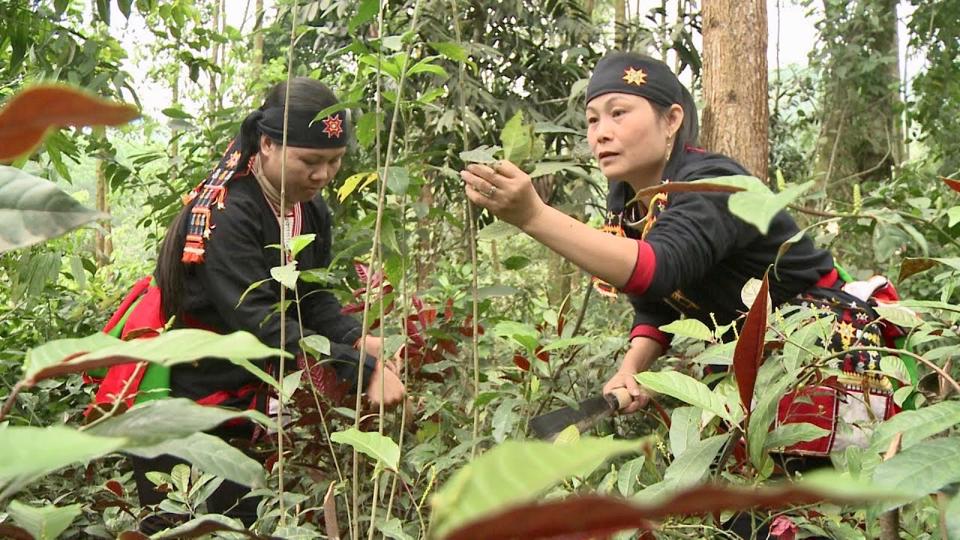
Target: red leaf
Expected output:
[448,309]
[361,270]
[521,362]
[783,528]
[115,487]
[543,356]
[561,321]
[13,532]
[28,115]
[597,515]
[953,184]
[748,355]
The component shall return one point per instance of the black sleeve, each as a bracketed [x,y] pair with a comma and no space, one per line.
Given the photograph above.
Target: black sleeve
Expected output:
[648,316]
[234,260]
[321,309]
[694,233]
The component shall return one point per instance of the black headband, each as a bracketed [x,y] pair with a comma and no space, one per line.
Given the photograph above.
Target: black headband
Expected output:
[636,74]
[329,132]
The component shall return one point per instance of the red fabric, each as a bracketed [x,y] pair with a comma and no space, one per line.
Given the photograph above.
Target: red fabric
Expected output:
[652,332]
[815,405]
[145,321]
[643,270]
[829,279]
[127,301]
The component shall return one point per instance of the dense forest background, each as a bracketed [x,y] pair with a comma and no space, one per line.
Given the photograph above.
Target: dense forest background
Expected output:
[505,330]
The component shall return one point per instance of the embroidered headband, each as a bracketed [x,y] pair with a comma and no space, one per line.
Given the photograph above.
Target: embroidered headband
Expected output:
[637,74]
[302,130]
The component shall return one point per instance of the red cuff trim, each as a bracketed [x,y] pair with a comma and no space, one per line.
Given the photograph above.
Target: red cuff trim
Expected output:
[643,271]
[652,332]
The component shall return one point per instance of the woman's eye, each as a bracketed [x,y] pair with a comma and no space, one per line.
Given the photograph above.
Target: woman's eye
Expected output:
[592,120]
[618,112]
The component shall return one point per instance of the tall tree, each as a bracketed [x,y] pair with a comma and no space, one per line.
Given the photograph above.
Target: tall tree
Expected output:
[735,81]
[861,135]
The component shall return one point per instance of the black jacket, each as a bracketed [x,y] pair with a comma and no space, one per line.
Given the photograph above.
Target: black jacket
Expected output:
[236,257]
[705,254]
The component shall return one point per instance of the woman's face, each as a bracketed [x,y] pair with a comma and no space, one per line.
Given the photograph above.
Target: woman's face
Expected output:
[308,170]
[627,137]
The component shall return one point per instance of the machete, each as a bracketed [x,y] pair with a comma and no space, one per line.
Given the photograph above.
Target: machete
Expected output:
[589,412]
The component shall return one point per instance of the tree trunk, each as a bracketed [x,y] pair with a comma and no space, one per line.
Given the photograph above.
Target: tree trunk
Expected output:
[258,34]
[213,99]
[861,134]
[735,115]
[620,23]
[103,243]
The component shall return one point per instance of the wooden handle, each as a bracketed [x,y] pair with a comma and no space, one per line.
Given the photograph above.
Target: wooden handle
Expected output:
[620,397]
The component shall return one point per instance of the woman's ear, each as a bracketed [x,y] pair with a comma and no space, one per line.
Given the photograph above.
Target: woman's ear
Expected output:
[266,144]
[674,119]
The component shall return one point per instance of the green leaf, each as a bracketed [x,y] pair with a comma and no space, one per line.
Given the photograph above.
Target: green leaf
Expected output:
[450,49]
[316,345]
[354,182]
[211,455]
[398,179]
[516,262]
[427,66]
[564,343]
[299,242]
[365,12]
[921,469]
[628,473]
[31,451]
[691,328]
[790,434]
[44,523]
[915,426]
[953,216]
[158,420]
[493,291]
[517,471]
[765,413]
[393,528]
[550,167]
[569,434]
[759,209]
[480,154]
[505,419]
[286,274]
[179,114]
[381,448]
[497,230]
[898,315]
[684,429]
[33,210]
[952,513]
[54,352]
[691,466]
[517,139]
[684,388]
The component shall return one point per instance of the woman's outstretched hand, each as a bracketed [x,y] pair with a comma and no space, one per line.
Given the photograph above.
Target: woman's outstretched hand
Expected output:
[503,189]
[385,379]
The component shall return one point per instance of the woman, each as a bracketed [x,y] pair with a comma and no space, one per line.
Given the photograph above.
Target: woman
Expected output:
[226,239]
[677,254]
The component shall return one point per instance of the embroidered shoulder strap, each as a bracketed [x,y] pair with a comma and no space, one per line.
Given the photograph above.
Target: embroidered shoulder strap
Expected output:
[212,191]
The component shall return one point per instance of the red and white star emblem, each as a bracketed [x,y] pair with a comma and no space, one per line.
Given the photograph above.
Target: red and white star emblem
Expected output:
[333,126]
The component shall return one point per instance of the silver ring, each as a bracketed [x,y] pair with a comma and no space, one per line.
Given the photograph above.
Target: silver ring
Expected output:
[489,193]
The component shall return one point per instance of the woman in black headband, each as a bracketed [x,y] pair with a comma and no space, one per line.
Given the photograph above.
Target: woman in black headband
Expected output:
[682,254]
[225,239]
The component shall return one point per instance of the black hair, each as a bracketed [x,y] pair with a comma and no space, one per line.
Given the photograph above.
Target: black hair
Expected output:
[308,96]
